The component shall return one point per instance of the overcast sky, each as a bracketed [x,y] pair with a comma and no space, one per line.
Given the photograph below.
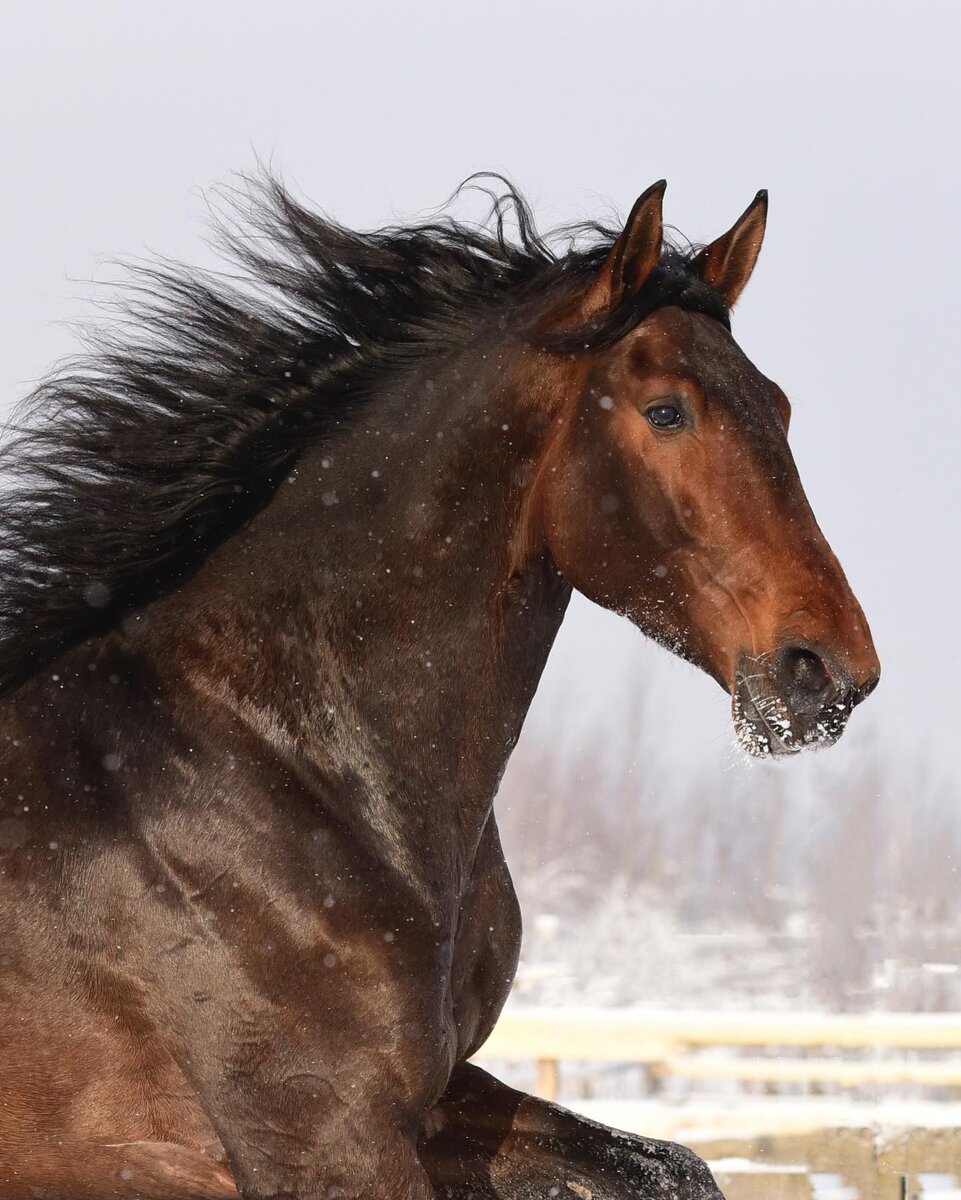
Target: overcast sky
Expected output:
[116,116]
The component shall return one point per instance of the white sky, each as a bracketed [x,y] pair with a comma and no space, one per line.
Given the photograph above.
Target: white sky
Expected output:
[115,115]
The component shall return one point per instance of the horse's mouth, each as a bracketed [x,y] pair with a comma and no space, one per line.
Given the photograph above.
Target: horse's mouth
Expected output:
[759,734]
[765,727]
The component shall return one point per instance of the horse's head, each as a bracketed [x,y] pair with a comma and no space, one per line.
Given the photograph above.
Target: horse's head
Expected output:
[670,495]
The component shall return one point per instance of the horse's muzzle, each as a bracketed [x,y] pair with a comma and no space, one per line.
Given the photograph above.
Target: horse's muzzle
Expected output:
[799,697]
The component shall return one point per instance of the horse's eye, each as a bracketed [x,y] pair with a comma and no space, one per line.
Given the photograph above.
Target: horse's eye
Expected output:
[664,416]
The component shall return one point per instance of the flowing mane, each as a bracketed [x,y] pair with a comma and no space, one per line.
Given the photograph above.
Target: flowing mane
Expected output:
[128,466]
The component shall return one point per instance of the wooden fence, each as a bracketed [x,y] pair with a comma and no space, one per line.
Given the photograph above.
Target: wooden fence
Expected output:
[852,1049]
[771,1149]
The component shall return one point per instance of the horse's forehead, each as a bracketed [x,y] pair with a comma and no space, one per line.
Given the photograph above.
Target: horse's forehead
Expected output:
[676,340]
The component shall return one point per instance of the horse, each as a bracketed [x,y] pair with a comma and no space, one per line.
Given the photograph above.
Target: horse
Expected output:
[282,558]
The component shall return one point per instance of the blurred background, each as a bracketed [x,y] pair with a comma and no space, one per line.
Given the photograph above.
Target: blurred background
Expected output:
[656,867]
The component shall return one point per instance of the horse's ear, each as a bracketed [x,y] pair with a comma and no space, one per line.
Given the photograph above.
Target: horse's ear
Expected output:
[728,262]
[633,256]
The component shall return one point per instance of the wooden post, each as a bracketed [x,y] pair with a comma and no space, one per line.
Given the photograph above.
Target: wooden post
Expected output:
[548,1078]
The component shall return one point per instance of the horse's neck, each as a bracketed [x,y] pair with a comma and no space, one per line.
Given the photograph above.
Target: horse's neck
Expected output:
[371,615]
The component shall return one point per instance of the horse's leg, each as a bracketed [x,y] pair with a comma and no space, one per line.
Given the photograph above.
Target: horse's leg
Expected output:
[75,1169]
[485,1140]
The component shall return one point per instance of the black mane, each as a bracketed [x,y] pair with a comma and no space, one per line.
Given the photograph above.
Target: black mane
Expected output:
[136,461]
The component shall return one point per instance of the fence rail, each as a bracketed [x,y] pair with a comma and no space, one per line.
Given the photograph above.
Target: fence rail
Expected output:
[676,1044]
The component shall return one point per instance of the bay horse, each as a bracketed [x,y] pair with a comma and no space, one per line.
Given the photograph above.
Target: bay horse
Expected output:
[282,562]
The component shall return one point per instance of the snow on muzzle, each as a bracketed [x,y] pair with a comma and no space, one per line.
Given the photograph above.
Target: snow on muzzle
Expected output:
[793,699]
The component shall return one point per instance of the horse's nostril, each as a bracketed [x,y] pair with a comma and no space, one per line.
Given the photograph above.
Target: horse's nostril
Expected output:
[805,679]
[808,672]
